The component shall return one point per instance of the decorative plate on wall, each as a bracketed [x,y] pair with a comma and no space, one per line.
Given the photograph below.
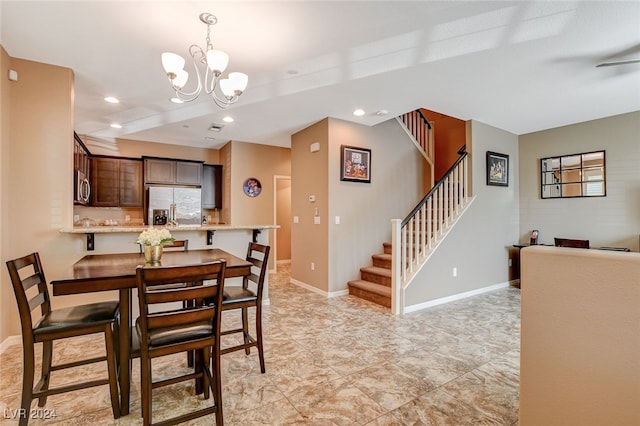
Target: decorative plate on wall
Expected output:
[252,187]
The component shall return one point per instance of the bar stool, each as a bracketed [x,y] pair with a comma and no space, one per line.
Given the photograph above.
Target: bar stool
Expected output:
[236,297]
[58,324]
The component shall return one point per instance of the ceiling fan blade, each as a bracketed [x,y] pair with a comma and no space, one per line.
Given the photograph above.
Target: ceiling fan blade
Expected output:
[614,63]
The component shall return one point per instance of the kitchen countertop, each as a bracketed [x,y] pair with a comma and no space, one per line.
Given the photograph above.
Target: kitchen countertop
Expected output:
[105,229]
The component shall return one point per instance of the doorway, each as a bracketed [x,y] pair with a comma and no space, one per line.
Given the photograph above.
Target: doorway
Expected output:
[282,214]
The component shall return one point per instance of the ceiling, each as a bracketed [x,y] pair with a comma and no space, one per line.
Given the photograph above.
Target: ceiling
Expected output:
[519,66]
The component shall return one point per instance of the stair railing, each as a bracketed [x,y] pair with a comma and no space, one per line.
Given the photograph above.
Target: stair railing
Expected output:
[415,238]
[421,130]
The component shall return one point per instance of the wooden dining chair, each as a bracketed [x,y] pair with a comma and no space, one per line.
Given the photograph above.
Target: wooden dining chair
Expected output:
[567,242]
[164,329]
[184,244]
[31,291]
[245,297]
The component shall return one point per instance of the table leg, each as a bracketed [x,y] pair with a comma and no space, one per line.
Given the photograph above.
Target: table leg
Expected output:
[125,349]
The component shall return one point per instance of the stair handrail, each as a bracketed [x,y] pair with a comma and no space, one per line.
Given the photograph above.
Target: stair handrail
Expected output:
[421,131]
[463,155]
[416,237]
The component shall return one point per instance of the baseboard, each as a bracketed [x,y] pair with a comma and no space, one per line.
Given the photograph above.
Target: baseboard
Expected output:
[8,342]
[328,295]
[449,299]
[283,261]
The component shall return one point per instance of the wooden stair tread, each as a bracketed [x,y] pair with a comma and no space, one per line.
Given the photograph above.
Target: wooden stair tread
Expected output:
[371,287]
[384,256]
[385,272]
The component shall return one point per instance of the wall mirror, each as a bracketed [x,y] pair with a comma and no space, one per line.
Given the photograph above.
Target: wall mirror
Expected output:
[575,175]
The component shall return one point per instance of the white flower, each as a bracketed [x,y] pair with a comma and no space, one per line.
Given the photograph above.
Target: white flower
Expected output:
[155,237]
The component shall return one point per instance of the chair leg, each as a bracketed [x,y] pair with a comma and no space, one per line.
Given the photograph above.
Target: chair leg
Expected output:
[28,372]
[259,337]
[245,329]
[111,370]
[199,367]
[145,388]
[47,356]
[217,382]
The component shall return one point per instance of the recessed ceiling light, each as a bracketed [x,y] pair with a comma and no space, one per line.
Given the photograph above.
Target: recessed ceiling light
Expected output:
[116,126]
[359,112]
[209,138]
[112,100]
[228,119]
[177,101]
[382,112]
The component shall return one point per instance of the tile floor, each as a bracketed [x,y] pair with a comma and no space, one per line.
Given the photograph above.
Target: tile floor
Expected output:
[340,361]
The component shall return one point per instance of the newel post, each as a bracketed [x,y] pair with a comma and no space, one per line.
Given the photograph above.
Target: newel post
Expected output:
[397,302]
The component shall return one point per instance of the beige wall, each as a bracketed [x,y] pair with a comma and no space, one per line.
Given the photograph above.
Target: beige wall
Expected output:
[261,162]
[7,301]
[613,220]
[580,350]
[37,183]
[398,176]
[338,251]
[477,245]
[309,176]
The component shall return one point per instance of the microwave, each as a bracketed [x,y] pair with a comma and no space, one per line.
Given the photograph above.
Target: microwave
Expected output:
[82,188]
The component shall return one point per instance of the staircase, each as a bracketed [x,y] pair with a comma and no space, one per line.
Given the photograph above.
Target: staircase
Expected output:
[417,236]
[374,284]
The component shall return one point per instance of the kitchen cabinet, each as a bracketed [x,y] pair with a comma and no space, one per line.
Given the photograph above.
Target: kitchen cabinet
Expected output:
[188,173]
[80,155]
[81,171]
[172,172]
[130,183]
[211,186]
[116,182]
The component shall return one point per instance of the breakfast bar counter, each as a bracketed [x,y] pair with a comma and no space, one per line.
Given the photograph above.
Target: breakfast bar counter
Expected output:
[90,231]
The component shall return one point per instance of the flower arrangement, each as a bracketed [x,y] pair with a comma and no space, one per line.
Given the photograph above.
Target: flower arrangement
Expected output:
[155,237]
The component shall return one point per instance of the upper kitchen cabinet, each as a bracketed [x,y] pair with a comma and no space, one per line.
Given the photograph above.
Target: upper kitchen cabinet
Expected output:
[172,172]
[81,171]
[116,182]
[80,155]
[211,186]
[130,183]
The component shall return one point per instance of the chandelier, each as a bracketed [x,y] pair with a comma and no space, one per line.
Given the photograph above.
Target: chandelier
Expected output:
[215,62]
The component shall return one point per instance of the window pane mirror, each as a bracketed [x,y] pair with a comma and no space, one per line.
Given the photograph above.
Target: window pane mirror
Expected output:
[575,175]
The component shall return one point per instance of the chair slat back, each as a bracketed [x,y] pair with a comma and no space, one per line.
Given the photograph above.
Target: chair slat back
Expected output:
[153,315]
[258,255]
[30,267]
[184,244]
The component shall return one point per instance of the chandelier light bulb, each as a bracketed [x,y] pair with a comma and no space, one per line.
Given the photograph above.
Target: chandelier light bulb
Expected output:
[217,61]
[224,91]
[172,63]
[181,79]
[239,81]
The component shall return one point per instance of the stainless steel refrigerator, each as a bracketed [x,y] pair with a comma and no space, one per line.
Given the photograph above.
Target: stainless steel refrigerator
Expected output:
[188,202]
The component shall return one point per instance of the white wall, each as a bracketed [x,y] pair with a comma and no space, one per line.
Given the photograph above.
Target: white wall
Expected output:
[613,220]
[478,244]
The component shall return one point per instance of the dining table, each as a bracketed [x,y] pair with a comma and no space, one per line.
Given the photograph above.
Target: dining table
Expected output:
[108,272]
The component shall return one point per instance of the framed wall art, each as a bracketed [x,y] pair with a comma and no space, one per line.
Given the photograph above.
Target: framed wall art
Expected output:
[355,164]
[252,187]
[497,169]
